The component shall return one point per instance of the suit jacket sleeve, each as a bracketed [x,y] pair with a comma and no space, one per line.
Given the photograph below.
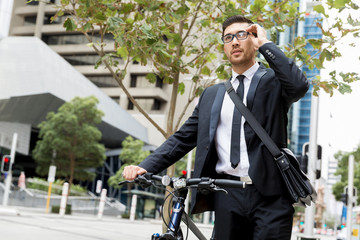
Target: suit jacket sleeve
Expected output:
[293,82]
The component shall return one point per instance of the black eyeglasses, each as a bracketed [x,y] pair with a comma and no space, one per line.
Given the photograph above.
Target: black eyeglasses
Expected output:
[241,35]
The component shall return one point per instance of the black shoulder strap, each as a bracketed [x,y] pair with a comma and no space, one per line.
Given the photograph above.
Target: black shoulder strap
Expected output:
[255,125]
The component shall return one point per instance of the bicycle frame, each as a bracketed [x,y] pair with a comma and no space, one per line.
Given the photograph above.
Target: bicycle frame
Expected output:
[178,214]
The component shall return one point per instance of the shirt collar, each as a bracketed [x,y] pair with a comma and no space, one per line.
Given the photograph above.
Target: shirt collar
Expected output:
[248,73]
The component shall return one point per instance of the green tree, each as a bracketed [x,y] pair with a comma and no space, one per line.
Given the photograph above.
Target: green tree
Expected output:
[73,135]
[342,171]
[132,153]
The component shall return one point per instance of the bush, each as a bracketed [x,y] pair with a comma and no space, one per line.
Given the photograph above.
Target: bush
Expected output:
[43,185]
[56,209]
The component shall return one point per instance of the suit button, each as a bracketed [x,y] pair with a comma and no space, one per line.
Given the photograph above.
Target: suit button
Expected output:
[207,147]
[267,50]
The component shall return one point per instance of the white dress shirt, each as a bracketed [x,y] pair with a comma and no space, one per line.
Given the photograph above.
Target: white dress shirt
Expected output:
[223,132]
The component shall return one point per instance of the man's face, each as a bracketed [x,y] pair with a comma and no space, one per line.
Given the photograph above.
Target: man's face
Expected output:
[239,52]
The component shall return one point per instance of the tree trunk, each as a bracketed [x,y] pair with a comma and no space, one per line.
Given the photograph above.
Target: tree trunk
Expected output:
[72,171]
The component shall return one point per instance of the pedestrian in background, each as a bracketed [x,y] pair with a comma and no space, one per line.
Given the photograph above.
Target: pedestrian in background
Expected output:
[228,148]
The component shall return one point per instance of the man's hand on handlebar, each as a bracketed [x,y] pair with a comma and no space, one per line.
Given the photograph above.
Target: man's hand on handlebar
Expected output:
[132,171]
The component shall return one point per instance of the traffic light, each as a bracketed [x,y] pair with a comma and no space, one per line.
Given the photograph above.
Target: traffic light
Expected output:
[305,159]
[5,163]
[344,198]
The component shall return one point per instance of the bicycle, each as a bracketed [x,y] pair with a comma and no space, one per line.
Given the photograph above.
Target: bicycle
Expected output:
[181,186]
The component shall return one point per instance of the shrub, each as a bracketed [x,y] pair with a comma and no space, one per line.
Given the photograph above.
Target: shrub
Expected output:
[56,209]
[41,184]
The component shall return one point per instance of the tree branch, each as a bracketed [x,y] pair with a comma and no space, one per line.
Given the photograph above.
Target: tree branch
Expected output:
[122,86]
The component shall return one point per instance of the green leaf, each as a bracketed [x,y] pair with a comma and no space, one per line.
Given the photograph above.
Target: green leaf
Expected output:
[69,25]
[182,10]
[123,52]
[340,3]
[146,28]
[177,39]
[87,27]
[344,88]
[206,71]
[205,22]
[115,22]
[328,55]
[300,41]
[319,8]
[195,78]
[316,43]
[127,8]
[100,16]
[151,77]
[318,63]
[181,88]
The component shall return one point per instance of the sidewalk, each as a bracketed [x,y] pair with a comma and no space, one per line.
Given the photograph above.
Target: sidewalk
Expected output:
[35,224]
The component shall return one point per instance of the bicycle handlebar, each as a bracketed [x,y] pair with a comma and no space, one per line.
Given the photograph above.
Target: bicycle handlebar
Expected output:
[146,179]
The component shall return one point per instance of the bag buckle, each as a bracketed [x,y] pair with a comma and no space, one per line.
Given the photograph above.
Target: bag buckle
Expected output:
[282,161]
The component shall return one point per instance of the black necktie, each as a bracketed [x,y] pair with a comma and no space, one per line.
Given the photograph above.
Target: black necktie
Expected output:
[236,127]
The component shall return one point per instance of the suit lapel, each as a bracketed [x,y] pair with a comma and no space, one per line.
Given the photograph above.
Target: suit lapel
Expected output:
[215,110]
[216,107]
[253,85]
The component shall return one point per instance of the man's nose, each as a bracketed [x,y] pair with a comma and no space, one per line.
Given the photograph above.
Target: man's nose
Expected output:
[235,42]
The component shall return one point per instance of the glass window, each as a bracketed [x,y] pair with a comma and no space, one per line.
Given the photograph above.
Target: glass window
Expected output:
[80,60]
[29,20]
[140,81]
[148,104]
[103,81]
[73,39]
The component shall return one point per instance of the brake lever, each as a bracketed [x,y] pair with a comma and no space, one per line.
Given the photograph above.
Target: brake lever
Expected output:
[206,187]
[217,189]
[142,181]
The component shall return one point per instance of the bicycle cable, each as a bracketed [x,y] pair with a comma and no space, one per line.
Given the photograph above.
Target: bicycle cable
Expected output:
[173,196]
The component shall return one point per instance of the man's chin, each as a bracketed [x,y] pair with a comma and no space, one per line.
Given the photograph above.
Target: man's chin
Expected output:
[237,61]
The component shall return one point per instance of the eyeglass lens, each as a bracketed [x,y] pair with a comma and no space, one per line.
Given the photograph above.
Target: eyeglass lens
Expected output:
[241,35]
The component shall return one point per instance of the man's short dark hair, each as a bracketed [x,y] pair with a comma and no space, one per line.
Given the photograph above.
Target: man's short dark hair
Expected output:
[235,19]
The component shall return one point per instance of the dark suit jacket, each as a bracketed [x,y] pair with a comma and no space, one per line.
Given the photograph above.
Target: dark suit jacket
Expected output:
[272,91]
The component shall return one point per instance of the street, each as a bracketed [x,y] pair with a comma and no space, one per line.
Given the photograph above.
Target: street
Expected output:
[30,224]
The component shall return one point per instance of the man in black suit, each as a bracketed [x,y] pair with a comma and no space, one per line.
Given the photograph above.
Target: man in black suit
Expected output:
[262,210]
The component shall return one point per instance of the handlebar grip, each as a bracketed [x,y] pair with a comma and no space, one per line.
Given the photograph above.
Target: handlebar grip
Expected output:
[193,181]
[157,177]
[229,183]
[151,176]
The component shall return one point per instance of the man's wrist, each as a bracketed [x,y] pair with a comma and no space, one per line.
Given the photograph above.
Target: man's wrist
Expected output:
[264,42]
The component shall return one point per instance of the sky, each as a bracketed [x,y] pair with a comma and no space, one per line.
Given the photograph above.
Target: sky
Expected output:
[339,115]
